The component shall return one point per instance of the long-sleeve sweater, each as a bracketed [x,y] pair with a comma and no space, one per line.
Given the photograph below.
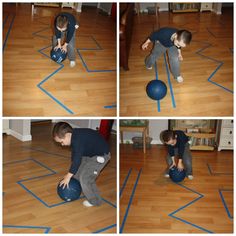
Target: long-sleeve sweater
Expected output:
[86,143]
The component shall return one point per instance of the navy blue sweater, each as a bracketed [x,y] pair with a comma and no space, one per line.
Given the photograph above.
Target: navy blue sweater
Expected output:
[163,35]
[182,139]
[70,27]
[86,143]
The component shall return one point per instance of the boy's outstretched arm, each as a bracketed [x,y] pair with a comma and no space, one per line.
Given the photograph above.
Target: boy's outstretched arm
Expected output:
[66,179]
[146,43]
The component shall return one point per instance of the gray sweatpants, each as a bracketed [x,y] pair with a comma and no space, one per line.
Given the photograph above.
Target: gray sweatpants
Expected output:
[87,174]
[70,46]
[156,53]
[187,160]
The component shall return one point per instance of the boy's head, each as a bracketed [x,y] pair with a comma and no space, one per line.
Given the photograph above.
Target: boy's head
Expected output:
[62,132]
[61,23]
[183,38]
[169,137]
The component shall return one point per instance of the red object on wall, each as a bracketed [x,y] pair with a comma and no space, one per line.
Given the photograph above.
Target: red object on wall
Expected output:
[113,11]
[105,128]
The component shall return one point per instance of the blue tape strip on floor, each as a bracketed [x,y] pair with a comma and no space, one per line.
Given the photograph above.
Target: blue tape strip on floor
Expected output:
[8,32]
[130,202]
[46,229]
[46,152]
[5,20]
[220,63]
[217,173]
[156,76]
[183,207]
[97,48]
[48,77]
[169,83]
[224,202]
[125,182]
[110,106]
[104,229]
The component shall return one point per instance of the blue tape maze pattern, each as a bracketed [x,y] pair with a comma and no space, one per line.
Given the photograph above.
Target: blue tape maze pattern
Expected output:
[51,172]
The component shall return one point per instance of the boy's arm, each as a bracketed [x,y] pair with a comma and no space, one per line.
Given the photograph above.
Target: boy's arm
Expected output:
[146,43]
[180,55]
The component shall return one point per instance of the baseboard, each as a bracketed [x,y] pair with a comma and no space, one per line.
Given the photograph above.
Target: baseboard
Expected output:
[20,137]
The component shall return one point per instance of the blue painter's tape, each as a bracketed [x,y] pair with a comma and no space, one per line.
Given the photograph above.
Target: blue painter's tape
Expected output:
[183,207]
[217,173]
[108,202]
[224,202]
[125,181]
[46,152]
[169,82]
[5,20]
[46,229]
[130,202]
[97,48]
[104,229]
[110,106]
[8,32]
[156,75]
[199,52]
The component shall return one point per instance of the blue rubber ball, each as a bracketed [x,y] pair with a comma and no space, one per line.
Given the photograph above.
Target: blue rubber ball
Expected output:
[57,55]
[176,175]
[156,89]
[72,193]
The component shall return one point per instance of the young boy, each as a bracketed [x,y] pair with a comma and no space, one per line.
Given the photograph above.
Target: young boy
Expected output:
[65,26]
[177,143]
[90,154]
[171,40]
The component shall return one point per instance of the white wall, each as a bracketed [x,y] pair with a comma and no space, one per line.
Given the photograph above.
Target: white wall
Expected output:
[21,129]
[155,128]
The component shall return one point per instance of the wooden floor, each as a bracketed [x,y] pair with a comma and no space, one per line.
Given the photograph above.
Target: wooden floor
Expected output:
[31,171]
[34,85]
[151,203]
[208,57]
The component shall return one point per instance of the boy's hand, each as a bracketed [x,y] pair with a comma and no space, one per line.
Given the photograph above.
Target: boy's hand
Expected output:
[57,47]
[145,45]
[173,164]
[64,48]
[66,180]
[180,165]
[180,57]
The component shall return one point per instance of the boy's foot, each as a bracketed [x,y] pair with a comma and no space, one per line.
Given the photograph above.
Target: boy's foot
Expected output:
[72,64]
[100,160]
[190,177]
[87,203]
[167,175]
[180,79]
[149,68]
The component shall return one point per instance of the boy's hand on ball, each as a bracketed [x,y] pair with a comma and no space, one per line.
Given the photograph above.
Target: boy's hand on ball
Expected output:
[66,180]
[180,166]
[173,164]
[64,48]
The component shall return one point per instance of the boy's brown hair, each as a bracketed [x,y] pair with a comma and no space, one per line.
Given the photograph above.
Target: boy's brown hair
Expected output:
[60,129]
[167,135]
[61,21]
[184,35]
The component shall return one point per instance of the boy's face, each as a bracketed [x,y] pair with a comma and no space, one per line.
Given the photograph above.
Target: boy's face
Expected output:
[179,43]
[62,29]
[172,142]
[66,141]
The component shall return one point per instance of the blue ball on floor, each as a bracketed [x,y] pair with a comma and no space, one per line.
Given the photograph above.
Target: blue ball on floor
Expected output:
[176,175]
[156,89]
[57,55]
[72,193]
